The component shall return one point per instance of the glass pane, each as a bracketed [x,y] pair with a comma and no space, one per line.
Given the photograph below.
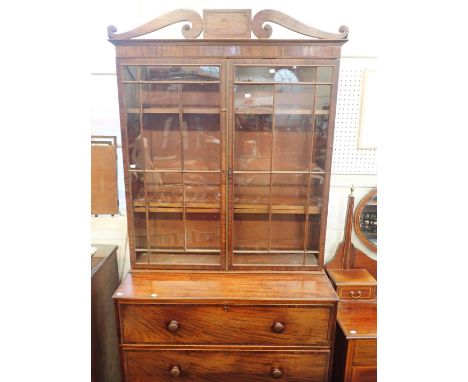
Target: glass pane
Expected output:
[252,191]
[311,259]
[316,193]
[324,74]
[142,257]
[135,140]
[269,259]
[294,99]
[275,73]
[322,99]
[160,96]
[130,73]
[138,189]
[293,142]
[166,230]
[320,143]
[132,98]
[253,99]
[202,142]
[179,73]
[185,258]
[200,96]
[202,190]
[139,226]
[250,231]
[287,231]
[162,141]
[203,230]
[313,238]
[164,189]
[289,192]
[252,142]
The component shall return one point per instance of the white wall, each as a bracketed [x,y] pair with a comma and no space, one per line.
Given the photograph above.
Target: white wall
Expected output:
[350,165]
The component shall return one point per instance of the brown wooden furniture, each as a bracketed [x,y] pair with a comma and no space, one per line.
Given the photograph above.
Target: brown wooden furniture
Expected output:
[355,358]
[104,342]
[365,220]
[347,256]
[227,145]
[353,284]
[104,192]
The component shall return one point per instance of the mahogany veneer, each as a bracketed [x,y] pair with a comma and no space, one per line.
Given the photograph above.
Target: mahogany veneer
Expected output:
[353,284]
[355,358]
[227,145]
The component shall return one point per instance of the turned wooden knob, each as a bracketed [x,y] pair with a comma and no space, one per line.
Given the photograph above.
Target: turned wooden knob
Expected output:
[173,326]
[278,327]
[276,373]
[175,371]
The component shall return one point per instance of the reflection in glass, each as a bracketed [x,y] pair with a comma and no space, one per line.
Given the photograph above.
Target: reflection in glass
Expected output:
[294,99]
[251,189]
[200,95]
[202,141]
[164,189]
[368,220]
[202,189]
[324,74]
[130,73]
[275,73]
[180,73]
[252,142]
[293,142]
[160,96]
[319,154]
[162,139]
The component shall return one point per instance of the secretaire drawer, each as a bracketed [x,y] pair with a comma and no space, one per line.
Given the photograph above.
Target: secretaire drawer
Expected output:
[226,324]
[226,366]
[356,293]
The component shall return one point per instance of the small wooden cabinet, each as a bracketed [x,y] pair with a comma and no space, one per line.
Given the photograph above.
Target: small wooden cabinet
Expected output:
[355,358]
[227,144]
[353,284]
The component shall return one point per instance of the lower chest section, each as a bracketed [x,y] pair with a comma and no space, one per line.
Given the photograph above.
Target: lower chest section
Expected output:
[225,365]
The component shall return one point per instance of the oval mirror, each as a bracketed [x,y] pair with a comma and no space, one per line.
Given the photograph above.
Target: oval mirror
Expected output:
[365,220]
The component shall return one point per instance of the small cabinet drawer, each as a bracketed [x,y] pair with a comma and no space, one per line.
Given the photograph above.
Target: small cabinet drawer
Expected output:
[356,293]
[218,365]
[226,324]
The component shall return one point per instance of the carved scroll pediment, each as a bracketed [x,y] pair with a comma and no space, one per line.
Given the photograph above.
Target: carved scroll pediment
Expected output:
[265,31]
[227,24]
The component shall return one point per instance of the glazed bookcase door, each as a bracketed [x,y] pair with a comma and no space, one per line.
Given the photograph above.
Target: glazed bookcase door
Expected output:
[174,127]
[280,132]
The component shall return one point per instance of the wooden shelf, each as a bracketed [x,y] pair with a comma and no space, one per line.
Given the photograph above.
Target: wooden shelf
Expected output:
[269,110]
[174,110]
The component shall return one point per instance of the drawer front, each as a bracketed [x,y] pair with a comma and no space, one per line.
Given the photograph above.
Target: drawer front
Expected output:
[226,366]
[221,324]
[356,293]
[363,374]
[365,352]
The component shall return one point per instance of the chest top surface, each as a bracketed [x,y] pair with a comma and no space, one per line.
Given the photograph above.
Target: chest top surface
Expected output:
[358,319]
[341,277]
[225,287]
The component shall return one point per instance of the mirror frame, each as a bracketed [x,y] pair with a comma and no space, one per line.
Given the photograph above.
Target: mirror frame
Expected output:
[357,215]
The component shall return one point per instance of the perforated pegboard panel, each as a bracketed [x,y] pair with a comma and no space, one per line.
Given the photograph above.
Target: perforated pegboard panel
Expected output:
[347,158]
